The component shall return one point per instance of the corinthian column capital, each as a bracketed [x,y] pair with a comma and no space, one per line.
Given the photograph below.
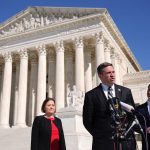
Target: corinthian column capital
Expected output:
[59,46]
[99,38]
[7,57]
[41,49]
[79,42]
[23,53]
[107,45]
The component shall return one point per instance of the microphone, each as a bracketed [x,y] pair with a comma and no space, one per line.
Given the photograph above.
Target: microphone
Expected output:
[131,109]
[127,107]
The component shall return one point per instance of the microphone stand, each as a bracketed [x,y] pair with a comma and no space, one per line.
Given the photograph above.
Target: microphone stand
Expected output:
[134,122]
[117,115]
[119,111]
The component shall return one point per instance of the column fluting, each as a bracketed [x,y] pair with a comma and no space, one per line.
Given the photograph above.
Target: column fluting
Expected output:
[41,83]
[6,91]
[60,78]
[22,93]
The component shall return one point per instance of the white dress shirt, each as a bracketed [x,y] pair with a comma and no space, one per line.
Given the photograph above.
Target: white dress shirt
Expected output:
[105,90]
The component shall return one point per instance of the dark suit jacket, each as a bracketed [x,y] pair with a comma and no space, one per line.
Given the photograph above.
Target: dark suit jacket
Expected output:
[41,133]
[142,109]
[96,115]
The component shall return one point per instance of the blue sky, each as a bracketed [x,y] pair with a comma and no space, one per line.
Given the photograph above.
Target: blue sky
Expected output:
[131,17]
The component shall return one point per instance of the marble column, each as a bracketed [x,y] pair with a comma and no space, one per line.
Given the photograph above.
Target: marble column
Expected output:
[51,73]
[6,91]
[33,88]
[114,58]
[88,69]
[107,51]
[119,80]
[41,81]
[22,95]
[69,74]
[99,49]
[99,52]
[95,78]
[79,66]
[60,78]
[16,90]
[1,81]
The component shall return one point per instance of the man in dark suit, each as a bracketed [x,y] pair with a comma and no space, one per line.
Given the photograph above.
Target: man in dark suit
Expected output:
[96,112]
[144,119]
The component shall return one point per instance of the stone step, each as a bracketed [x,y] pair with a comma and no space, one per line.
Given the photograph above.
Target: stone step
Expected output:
[20,138]
[15,138]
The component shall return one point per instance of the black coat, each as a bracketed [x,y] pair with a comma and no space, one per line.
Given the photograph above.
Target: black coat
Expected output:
[142,109]
[96,116]
[41,133]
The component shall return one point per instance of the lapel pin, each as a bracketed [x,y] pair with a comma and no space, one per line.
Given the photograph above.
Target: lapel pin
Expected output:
[119,90]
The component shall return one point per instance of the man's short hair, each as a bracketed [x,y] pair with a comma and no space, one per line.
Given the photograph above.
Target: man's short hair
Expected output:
[102,66]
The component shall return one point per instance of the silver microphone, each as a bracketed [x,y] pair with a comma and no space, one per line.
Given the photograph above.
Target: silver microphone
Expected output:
[127,107]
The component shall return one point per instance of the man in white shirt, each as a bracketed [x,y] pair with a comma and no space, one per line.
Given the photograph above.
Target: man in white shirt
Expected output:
[96,111]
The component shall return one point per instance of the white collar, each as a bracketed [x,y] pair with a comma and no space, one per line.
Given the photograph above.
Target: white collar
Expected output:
[105,87]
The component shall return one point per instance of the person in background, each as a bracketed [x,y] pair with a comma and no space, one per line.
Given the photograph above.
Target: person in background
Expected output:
[47,132]
[143,113]
[96,112]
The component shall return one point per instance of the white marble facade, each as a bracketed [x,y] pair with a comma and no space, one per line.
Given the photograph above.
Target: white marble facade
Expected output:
[138,82]
[54,52]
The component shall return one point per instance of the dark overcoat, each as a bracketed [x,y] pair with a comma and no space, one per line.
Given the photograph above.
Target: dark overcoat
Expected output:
[41,133]
[144,119]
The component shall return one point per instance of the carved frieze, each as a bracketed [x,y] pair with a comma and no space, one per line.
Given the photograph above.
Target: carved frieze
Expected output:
[33,21]
[37,17]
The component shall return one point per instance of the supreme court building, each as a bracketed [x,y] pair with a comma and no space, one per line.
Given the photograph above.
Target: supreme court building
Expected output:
[54,52]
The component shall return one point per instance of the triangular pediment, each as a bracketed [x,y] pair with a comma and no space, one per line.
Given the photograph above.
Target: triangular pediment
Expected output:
[36,17]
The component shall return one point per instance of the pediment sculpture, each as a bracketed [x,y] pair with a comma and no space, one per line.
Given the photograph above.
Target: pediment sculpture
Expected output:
[33,21]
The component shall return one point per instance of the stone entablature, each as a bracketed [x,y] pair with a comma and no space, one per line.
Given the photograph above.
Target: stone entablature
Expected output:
[138,77]
[138,83]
